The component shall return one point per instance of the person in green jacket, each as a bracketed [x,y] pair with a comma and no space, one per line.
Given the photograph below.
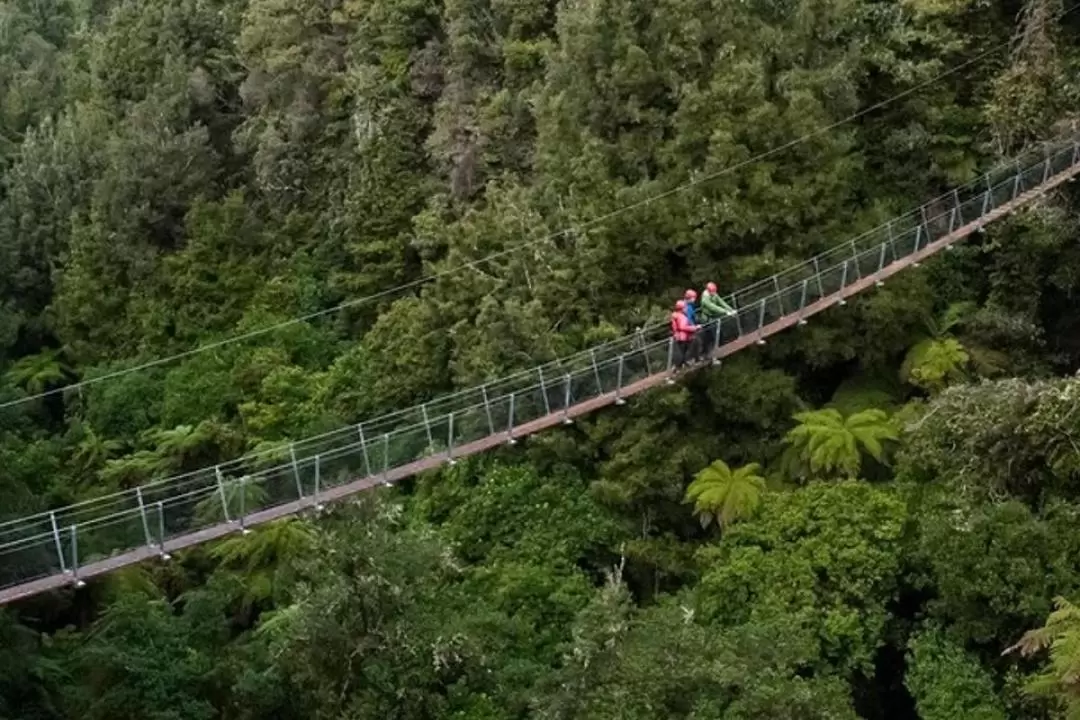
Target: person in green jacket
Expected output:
[712,309]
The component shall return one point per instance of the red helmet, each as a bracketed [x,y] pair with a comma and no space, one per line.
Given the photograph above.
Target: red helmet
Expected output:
[711,287]
[690,295]
[680,305]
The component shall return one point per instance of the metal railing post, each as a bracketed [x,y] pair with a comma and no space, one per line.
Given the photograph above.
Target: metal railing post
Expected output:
[296,471]
[618,379]
[926,223]
[955,210]
[881,265]
[450,438]
[1016,181]
[843,284]
[363,450]
[510,422]
[596,372]
[161,530]
[487,409]
[318,482]
[241,484]
[761,322]
[59,544]
[543,391]
[75,555]
[427,426]
[855,259]
[988,198]
[670,352]
[566,402]
[142,513]
[386,458]
[802,302]
[221,492]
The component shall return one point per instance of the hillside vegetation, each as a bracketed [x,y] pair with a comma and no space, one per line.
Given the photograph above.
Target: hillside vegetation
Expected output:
[874,516]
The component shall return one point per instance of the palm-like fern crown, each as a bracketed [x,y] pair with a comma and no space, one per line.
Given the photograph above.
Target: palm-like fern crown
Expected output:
[828,443]
[725,495]
[37,372]
[942,354]
[1061,635]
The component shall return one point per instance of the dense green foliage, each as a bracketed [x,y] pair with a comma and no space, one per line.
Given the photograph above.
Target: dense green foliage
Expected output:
[860,519]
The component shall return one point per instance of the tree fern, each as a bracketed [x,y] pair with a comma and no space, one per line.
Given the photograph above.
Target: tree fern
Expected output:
[261,557]
[933,363]
[725,495]
[37,373]
[93,451]
[941,356]
[825,443]
[1060,678]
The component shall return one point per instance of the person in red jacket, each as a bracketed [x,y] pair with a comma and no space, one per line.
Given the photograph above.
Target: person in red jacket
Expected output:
[682,332]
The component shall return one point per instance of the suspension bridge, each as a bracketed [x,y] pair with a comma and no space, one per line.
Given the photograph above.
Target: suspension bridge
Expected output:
[68,545]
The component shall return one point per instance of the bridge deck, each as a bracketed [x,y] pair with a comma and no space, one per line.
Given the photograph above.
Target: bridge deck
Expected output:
[1055,172]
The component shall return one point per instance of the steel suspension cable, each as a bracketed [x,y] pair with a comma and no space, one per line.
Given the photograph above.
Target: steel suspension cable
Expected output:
[426,279]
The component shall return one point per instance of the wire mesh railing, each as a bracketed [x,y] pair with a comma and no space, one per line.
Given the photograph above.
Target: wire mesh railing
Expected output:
[78,537]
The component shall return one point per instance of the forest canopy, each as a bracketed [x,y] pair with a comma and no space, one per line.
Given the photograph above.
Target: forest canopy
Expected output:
[874,516]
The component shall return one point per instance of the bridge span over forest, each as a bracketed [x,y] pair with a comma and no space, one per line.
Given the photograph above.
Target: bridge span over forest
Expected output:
[67,545]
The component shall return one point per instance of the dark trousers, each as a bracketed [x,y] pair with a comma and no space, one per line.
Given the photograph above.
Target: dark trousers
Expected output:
[681,352]
[707,337]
